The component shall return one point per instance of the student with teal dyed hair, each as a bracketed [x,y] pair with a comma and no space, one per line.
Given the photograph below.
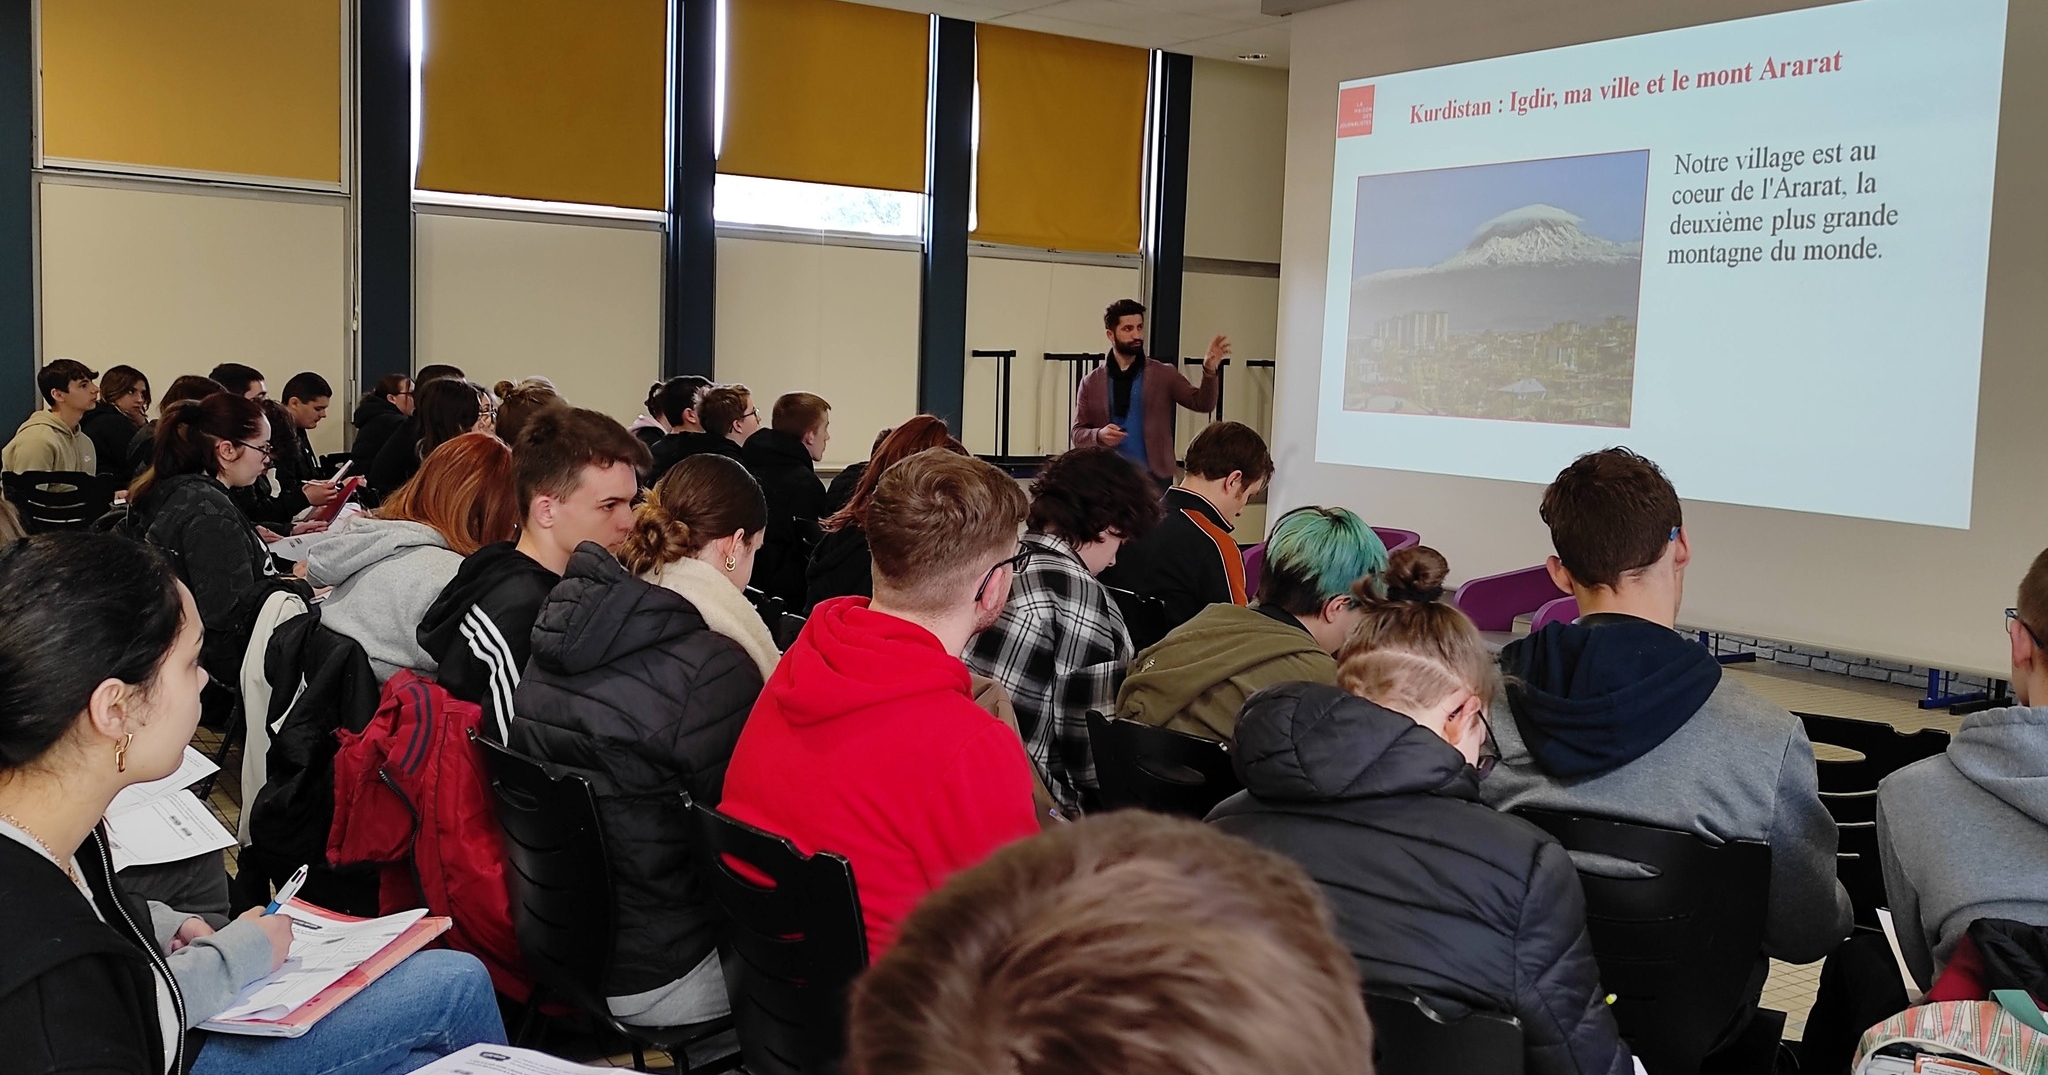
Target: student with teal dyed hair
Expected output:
[1195,679]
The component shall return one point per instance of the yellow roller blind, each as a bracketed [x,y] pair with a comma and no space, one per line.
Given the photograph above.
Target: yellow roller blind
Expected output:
[825,92]
[546,99]
[1062,141]
[247,87]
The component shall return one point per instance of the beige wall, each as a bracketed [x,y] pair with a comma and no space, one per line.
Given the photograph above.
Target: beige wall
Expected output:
[835,320]
[1237,161]
[177,283]
[578,303]
[1033,307]
[1922,594]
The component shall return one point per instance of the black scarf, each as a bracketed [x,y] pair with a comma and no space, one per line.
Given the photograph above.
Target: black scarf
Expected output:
[1120,382]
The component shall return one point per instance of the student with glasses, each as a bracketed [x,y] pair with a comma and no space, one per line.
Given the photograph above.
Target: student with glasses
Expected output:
[1964,835]
[1373,787]
[866,740]
[182,505]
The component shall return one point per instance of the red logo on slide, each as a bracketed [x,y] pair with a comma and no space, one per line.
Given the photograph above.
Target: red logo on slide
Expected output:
[1354,111]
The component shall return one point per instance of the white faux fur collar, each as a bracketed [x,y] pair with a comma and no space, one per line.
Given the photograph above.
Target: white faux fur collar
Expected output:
[724,608]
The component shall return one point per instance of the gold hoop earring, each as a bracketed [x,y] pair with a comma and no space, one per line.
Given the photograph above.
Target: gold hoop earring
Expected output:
[121,753]
[731,562]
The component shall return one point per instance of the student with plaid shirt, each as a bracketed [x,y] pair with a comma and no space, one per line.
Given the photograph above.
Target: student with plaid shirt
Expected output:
[1060,647]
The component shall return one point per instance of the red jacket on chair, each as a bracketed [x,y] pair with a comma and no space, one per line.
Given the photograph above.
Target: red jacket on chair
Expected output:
[410,793]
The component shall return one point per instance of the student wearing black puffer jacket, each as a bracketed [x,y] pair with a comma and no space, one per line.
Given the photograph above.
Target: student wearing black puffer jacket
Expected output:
[631,689]
[1374,789]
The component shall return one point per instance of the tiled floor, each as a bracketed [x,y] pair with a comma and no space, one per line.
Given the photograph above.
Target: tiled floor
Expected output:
[1791,987]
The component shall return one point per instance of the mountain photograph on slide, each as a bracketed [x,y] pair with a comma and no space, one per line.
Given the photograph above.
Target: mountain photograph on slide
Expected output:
[1504,291]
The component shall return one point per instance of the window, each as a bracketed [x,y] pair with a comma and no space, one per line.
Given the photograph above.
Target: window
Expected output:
[780,203]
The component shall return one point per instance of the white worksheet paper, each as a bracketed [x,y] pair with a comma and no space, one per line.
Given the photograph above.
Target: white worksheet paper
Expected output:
[193,768]
[323,949]
[501,1060]
[169,828]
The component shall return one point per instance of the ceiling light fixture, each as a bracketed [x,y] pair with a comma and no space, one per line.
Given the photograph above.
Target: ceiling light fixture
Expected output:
[1251,57]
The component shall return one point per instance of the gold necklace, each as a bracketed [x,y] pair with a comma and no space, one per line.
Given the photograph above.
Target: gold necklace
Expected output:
[67,867]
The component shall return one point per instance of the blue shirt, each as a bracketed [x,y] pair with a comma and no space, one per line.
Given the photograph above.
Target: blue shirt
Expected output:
[1132,421]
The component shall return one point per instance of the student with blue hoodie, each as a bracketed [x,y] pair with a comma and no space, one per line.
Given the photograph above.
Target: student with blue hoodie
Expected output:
[1619,715]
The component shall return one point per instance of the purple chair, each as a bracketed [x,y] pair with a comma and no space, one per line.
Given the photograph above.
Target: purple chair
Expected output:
[1493,602]
[1563,610]
[1254,565]
[1396,540]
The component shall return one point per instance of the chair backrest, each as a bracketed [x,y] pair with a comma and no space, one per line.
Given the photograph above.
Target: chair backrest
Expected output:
[560,880]
[1409,1038]
[1167,772]
[794,942]
[1396,539]
[1494,601]
[1562,610]
[1678,940]
[1144,616]
[787,627]
[54,500]
[1848,788]
[1254,568]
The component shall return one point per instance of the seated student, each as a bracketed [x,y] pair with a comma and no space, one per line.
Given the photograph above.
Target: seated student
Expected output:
[51,439]
[644,688]
[649,425]
[865,741]
[700,533]
[1131,944]
[843,483]
[839,566]
[182,506]
[387,567]
[1196,678]
[407,430]
[382,410]
[121,413]
[444,409]
[1374,789]
[1060,647]
[783,458]
[185,389]
[1191,562]
[518,400]
[244,381]
[1964,835]
[306,399]
[578,472]
[1620,716]
[99,690]
[722,411]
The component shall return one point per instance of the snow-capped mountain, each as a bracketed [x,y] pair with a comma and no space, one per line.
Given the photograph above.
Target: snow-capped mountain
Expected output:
[1539,235]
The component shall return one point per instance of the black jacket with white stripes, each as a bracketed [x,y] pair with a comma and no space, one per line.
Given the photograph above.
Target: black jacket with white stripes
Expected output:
[480,630]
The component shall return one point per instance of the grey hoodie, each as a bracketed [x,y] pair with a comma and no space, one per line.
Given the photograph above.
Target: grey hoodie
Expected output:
[1964,835]
[385,572]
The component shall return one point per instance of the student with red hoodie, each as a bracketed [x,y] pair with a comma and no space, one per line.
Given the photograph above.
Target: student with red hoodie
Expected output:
[866,740]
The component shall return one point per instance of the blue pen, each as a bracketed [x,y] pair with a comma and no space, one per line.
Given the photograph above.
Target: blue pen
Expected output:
[290,889]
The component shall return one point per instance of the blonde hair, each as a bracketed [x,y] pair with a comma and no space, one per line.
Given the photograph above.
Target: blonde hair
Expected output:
[1411,650]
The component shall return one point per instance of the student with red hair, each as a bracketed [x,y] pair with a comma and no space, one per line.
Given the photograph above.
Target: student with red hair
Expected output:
[839,566]
[387,568]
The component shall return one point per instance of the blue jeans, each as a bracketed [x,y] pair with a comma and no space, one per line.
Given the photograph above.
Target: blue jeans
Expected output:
[433,1004]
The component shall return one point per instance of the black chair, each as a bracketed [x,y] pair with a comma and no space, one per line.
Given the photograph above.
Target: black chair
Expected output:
[1848,788]
[1678,943]
[785,629]
[561,885]
[1137,765]
[1144,616]
[54,500]
[793,945]
[1409,1038]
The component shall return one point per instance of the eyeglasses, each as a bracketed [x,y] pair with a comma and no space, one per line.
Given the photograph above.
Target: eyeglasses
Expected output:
[1023,554]
[269,451]
[755,413]
[2012,615]
[1489,751]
